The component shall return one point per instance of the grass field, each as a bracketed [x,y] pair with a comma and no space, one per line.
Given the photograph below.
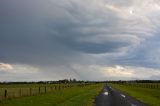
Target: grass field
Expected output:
[150,96]
[74,96]
[19,90]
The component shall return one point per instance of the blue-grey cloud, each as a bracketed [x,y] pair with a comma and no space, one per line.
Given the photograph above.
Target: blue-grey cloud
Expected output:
[52,33]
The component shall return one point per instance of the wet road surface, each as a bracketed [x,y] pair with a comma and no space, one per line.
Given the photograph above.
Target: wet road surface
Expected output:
[113,97]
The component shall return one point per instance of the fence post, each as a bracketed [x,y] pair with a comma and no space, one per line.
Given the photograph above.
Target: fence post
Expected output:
[20,92]
[45,89]
[30,91]
[5,93]
[39,90]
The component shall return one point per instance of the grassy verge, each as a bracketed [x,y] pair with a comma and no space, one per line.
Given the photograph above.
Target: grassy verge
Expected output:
[146,95]
[76,96]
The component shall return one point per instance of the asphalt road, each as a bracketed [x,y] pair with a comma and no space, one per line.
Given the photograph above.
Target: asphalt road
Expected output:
[112,97]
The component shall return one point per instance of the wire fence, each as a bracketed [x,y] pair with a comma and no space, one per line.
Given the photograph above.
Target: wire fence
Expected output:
[9,93]
[143,85]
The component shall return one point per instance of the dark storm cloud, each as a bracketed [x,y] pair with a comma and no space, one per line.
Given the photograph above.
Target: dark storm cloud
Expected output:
[91,47]
[68,32]
[29,34]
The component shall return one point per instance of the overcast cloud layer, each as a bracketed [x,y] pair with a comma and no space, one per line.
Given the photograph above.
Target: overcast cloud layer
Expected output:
[83,39]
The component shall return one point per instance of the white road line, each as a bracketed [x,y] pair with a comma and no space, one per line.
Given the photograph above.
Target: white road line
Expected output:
[105,93]
[123,95]
[133,105]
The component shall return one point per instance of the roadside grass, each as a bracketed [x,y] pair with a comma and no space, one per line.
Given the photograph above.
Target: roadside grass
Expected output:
[148,96]
[75,96]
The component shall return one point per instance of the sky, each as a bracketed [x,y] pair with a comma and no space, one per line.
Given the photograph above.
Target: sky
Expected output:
[82,39]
